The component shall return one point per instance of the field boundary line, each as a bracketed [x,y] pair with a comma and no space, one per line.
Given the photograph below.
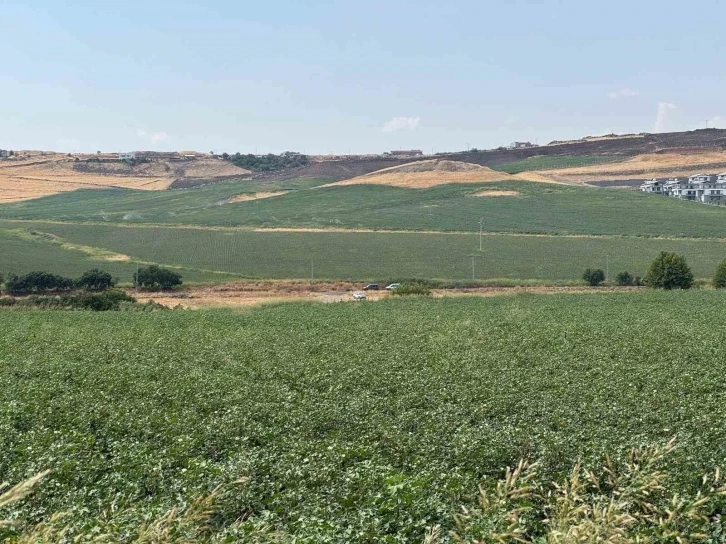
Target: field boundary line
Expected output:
[338,230]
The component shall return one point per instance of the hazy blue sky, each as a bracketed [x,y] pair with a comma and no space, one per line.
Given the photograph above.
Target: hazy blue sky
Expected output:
[367,76]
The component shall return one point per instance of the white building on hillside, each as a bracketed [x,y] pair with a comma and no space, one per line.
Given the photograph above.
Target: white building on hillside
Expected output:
[653,186]
[127,156]
[701,188]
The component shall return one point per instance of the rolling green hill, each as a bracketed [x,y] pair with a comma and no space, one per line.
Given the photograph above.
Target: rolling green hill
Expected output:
[539,208]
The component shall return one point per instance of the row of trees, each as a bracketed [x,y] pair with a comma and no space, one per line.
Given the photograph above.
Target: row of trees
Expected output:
[95,280]
[267,163]
[668,271]
[40,282]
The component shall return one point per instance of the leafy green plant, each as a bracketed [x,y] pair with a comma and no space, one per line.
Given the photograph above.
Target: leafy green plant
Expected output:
[669,271]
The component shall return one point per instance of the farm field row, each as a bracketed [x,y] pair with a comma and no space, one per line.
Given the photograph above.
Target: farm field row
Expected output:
[373,256]
[518,207]
[345,431]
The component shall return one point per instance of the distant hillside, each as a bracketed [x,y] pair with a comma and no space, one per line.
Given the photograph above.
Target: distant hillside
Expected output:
[614,146]
[31,176]
[575,153]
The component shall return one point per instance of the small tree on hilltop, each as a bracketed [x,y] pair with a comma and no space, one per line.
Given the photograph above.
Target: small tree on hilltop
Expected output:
[594,277]
[669,271]
[154,276]
[719,280]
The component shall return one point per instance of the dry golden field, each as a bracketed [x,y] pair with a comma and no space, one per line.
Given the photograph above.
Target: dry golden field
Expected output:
[35,176]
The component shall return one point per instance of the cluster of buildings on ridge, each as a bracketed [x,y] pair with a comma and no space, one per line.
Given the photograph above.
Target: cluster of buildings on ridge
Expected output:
[701,187]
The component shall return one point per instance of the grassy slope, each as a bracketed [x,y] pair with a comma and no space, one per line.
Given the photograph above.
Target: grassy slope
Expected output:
[379,256]
[347,431]
[552,162]
[20,253]
[540,208]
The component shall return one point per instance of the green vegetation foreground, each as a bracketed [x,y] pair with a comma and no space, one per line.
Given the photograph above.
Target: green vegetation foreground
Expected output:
[353,422]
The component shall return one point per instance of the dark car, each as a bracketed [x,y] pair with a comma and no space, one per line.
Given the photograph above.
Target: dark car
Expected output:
[372,287]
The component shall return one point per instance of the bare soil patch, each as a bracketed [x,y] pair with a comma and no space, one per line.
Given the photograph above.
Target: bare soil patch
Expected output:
[252,293]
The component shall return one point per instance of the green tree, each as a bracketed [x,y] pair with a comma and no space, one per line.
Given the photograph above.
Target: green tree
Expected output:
[669,271]
[625,278]
[95,280]
[156,277]
[594,277]
[719,280]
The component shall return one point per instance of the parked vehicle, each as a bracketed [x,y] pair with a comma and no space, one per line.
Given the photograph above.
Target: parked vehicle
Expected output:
[393,286]
[359,296]
[372,287]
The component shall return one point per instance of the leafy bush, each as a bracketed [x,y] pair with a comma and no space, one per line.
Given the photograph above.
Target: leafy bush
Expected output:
[97,302]
[624,278]
[719,280]
[669,271]
[594,277]
[37,282]
[413,288]
[95,280]
[156,277]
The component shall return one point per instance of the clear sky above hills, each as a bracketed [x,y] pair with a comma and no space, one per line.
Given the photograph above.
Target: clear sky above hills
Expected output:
[327,76]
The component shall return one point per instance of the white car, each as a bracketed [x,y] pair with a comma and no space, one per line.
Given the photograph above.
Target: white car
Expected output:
[359,296]
[392,286]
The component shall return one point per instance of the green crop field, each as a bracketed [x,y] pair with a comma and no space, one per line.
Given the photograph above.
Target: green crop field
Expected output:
[22,252]
[352,422]
[539,208]
[550,162]
[379,256]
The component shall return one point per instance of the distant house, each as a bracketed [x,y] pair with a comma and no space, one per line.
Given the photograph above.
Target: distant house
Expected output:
[521,145]
[700,187]
[131,155]
[4,153]
[653,186]
[406,152]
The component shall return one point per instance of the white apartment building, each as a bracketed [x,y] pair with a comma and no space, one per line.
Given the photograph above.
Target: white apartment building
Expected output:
[700,187]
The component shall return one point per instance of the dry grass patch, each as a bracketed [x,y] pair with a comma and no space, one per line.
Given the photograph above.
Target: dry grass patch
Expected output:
[496,192]
[246,197]
[645,166]
[426,174]
[34,177]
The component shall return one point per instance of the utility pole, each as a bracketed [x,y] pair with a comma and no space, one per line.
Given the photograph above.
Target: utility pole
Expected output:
[607,267]
[481,226]
[136,277]
[472,267]
[312,270]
